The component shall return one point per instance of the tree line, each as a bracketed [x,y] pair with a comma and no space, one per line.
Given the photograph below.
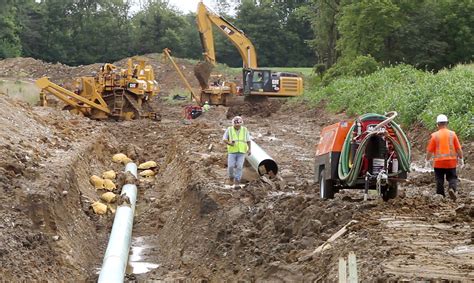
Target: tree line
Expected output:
[429,34]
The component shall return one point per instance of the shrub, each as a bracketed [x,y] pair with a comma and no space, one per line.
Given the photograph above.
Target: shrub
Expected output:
[418,96]
[359,66]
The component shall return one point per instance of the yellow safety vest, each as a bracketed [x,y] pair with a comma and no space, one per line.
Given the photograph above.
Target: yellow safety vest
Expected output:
[240,145]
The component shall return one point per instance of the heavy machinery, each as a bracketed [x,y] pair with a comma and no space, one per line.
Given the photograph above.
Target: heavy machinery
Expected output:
[122,94]
[371,152]
[256,82]
[215,93]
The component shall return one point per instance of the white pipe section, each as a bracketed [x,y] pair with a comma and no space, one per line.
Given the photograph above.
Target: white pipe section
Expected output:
[116,255]
[259,160]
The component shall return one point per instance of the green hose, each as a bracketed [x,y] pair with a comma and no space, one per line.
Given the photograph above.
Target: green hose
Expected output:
[349,174]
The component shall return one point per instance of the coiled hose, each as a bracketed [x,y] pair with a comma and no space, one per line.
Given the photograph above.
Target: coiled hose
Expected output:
[348,174]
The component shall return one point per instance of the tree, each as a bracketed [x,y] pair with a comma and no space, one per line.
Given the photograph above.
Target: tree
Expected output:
[458,31]
[158,26]
[10,45]
[323,14]
[365,26]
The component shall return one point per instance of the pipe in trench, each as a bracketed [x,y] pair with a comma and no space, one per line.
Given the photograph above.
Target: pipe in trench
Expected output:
[116,255]
[261,161]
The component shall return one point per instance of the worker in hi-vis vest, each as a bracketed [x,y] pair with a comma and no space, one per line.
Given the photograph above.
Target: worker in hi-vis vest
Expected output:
[445,149]
[237,138]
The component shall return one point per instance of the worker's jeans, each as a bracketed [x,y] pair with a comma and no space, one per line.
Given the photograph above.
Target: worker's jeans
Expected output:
[235,163]
[451,177]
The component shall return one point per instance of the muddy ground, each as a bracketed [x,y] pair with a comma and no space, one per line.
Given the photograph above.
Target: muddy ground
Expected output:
[188,225]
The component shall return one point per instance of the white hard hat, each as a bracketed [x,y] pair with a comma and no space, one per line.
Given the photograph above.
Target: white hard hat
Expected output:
[206,102]
[237,120]
[441,118]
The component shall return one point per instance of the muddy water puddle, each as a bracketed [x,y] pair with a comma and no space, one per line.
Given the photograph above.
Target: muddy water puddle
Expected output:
[137,263]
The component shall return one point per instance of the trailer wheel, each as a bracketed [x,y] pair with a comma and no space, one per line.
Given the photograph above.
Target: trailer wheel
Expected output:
[326,190]
[390,191]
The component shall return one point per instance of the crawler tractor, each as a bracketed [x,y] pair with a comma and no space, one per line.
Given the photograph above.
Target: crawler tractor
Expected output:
[121,94]
[370,153]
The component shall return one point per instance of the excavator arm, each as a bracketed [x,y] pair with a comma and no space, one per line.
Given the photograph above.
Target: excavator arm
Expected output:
[205,19]
[256,82]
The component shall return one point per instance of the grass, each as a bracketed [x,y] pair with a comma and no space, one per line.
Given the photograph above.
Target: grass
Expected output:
[24,90]
[418,96]
[305,71]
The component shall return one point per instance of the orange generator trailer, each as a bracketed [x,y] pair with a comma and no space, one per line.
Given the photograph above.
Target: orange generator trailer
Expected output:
[370,153]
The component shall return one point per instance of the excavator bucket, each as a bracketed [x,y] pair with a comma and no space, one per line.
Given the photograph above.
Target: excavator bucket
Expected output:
[202,71]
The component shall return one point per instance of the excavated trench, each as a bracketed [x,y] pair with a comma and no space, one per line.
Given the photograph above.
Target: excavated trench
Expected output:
[189,226]
[55,235]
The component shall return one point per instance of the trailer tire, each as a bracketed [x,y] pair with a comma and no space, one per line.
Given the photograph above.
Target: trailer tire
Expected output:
[326,190]
[390,191]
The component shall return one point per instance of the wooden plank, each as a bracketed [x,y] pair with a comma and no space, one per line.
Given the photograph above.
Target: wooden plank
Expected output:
[326,245]
[342,270]
[353,278]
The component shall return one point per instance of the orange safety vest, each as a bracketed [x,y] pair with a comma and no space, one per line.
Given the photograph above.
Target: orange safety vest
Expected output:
[444,140]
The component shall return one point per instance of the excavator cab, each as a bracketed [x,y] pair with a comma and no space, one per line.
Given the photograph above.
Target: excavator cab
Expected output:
[263,82]
[257,81]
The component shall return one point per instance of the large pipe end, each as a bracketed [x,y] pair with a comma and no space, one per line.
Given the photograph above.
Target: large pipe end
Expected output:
[267,166]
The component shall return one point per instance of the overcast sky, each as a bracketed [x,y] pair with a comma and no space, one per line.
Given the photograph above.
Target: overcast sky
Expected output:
[185,6]
[188,5]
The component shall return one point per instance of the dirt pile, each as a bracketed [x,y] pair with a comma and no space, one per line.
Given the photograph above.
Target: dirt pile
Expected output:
[188,225]
[202,72]
[47,229]
[22,68]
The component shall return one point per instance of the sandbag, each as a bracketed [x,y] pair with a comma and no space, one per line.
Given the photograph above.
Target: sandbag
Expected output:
[119,157]
[147,173]
[108,197]
[126,160]
[109,185]
[147,165]
[99,208]
[111,175]
[97,182]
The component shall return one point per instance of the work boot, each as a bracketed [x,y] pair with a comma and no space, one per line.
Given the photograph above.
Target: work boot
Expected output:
[452,194]
[236,184]
[229,181]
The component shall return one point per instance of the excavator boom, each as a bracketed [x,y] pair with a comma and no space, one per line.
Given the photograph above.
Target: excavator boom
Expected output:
[205,19]
[256,82]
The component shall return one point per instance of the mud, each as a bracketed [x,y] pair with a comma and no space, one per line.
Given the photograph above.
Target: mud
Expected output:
[202,71]
[189,226]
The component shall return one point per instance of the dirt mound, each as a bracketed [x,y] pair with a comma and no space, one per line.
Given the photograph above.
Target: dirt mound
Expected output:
[202,72]
[47,227]
[167,77]
[188,225]
[253,106]
[31,68]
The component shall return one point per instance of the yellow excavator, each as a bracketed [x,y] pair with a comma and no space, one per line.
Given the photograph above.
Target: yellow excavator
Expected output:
[256,81]
[121,94]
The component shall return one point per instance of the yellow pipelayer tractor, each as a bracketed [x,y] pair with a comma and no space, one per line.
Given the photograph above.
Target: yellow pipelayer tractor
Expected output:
[122,94]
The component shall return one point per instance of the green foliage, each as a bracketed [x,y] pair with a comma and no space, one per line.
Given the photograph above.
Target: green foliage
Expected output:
[277,32]
[10,45]
[322,16]
[418,96]
[429,34]
[359,66]
[364,25]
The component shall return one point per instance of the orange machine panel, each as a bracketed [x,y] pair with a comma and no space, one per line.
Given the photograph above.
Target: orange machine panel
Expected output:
[332,137]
